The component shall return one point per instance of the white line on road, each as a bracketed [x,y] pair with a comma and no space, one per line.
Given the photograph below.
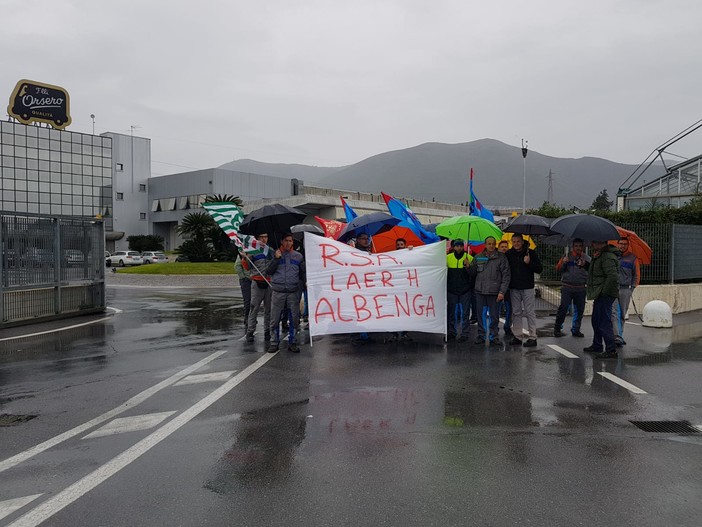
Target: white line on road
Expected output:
[70,494]
[131,403]
[218,376]
[621,382]
[634,323]
[7,507]
[134,423]
[563,351]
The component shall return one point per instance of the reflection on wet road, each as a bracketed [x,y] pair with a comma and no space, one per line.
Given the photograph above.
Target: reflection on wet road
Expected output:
[412,434]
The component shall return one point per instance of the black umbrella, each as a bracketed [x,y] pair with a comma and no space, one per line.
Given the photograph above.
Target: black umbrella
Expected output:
[271,219]
[585,226]
[298,231]
[529,224]
[369,224]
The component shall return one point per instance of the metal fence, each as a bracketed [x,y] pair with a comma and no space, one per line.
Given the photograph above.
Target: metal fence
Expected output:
[676,256]
[51,266]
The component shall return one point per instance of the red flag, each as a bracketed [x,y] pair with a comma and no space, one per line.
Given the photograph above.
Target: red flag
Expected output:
[332,228]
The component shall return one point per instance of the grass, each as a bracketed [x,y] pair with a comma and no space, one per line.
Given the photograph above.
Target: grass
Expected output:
[179,268]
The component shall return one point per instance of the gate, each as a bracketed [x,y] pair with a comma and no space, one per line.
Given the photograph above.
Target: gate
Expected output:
[51,267]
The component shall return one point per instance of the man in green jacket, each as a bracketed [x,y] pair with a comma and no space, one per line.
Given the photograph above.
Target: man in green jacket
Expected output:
[603,288]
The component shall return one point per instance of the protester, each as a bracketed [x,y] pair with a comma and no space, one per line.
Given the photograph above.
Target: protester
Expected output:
[243,271]
[603,288]
[629,278]
[492,278]
[287,270]
[400,336]
[524,263]
[573,268]
[506,305]
[458,288]
[260,290]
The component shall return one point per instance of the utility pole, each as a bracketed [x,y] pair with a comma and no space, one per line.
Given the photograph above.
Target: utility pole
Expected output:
[525,151]
[549,192]
[92,116]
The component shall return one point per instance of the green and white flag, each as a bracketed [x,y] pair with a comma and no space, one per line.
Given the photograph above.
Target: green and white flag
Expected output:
[229,217]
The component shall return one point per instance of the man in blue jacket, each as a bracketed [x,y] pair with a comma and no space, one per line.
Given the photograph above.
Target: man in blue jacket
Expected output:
[287,272]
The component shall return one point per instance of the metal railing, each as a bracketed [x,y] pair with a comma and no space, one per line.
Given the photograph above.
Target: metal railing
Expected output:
[51,266]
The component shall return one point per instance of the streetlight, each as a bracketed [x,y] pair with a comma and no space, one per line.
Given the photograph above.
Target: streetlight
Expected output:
[525,151]
[92,116]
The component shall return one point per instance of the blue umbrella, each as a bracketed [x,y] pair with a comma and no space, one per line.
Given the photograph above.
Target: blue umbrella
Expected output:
[369,224]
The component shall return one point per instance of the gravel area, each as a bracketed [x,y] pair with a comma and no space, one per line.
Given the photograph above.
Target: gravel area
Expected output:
[218,281]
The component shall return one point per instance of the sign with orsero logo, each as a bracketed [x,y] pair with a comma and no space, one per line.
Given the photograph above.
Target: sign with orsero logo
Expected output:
[38,102]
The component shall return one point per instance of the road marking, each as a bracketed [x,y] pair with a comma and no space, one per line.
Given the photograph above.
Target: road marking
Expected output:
[7,507]
[131,403]
[634,323]
[56,330]
[134,423]
[563,351]
[206,377]
[70,494]
[621,382]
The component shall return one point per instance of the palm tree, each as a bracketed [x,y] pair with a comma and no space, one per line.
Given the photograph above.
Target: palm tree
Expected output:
[224,198]
[197,227]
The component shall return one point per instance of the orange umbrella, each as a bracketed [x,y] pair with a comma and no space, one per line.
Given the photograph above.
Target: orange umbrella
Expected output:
[385,241]
[636,245]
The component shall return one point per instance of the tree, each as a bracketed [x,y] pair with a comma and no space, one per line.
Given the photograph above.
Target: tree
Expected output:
[197,227]
[602,202]
[149,242]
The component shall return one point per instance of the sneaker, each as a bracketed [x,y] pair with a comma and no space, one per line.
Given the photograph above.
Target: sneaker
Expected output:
[473,321]
[496,342]
[479,340]
[619,342]
[578,334]
[293,347]
[607,355]
[530,343]
[249,338]
[592,349]
[514,341]
[557,333]
[273,348]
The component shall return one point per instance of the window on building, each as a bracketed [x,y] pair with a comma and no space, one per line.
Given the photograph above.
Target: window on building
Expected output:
[142,188]
[170,204]
[119,195]
[142,215]
[119,167]
[155,205]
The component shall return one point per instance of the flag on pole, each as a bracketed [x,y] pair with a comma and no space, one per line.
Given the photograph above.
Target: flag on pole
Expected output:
[229,217]
[348,211]
[408,219]
[476,208]
[332,228]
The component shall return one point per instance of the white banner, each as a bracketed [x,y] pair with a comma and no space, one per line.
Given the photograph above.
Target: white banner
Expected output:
[351,291]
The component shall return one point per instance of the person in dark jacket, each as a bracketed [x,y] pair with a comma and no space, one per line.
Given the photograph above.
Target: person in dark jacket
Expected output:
[287,271]
[603,288]
[573,268]
[506,304]
[524,263]
[458,288]
[492,278]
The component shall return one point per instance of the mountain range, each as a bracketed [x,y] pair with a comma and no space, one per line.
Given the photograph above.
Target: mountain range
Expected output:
[440,171]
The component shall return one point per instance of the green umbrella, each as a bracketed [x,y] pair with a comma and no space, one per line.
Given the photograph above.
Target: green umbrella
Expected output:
[468,228]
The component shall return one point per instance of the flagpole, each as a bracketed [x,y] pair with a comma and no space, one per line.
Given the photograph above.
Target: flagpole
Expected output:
[525,150]
[257,269]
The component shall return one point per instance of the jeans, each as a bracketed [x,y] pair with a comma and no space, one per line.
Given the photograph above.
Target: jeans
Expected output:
[602,324]
[487,307]
[577,296]
[619,309]
[458,308]
[278,307]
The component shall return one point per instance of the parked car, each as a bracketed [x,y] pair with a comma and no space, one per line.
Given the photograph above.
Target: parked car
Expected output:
[181,258]
[73,257]
[150,257]
[122,258]
[108,262]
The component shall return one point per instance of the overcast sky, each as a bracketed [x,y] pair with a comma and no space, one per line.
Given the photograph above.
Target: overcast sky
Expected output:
[330,83]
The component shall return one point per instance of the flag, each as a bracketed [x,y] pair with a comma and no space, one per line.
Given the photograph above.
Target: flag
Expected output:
[348,211]
[408,219]
[332,228]
[229,217]
[476,208]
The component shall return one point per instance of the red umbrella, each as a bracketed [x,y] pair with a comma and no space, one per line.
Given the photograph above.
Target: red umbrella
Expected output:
[636,245]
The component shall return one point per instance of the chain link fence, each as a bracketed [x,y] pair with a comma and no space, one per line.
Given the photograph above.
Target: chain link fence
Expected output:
[51,266]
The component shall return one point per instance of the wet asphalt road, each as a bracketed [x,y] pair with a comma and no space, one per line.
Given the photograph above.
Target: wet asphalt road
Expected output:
[420,434]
